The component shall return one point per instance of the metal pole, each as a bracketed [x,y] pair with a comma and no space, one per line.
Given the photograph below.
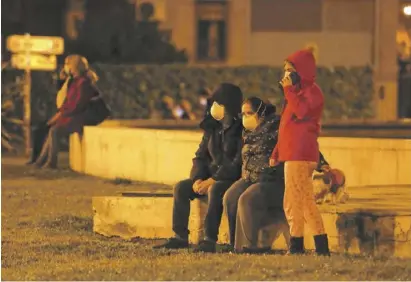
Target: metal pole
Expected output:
[27,98]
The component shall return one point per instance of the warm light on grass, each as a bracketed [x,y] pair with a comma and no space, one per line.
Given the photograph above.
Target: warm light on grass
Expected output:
[407,10]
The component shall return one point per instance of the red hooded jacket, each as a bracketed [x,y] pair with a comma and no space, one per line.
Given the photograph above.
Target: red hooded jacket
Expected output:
[301,116]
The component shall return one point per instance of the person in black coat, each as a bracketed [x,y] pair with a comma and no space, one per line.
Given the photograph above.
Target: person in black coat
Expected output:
[215,167]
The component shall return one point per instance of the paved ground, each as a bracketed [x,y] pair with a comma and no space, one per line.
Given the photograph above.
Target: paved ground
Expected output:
[47,235]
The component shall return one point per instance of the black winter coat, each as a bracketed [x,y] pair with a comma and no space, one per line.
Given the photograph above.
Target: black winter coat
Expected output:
[219,153]
[257,148]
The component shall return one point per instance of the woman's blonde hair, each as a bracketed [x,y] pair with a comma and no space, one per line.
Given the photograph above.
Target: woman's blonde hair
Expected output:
[79,65]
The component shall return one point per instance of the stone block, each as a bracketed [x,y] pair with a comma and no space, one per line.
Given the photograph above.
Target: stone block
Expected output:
[164,156]
[151,217]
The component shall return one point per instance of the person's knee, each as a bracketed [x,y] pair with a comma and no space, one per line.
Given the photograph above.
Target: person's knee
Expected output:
[55,132]
[244,202]
[182,189]
[217,190]
[228,200]
[214,190]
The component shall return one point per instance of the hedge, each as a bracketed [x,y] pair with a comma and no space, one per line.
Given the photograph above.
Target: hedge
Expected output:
[133,91]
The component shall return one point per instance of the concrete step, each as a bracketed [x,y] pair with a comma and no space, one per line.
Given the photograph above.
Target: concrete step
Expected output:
[373,222]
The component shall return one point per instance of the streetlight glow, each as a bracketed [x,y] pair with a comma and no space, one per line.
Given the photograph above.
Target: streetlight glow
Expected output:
[407,10]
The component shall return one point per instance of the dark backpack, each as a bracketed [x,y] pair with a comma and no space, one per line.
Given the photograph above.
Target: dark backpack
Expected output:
[97,110]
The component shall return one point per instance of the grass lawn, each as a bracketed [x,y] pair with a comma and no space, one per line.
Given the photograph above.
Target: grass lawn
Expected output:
[47,235]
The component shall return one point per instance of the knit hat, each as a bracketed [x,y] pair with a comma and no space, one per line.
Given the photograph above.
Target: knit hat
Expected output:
[230,96]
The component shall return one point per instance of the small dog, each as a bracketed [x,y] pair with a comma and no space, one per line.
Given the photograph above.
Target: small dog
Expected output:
[329,187]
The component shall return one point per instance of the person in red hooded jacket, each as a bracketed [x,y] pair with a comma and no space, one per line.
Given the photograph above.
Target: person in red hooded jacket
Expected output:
[298,148]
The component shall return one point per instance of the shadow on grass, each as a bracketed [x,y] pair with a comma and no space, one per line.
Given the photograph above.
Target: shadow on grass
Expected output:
[68,223]
[11,171]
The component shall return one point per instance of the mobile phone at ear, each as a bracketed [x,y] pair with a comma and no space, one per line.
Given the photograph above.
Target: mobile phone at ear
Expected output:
[295,78]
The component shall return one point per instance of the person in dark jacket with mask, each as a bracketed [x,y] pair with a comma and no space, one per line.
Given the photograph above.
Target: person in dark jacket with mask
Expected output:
[256,199]
[215,168]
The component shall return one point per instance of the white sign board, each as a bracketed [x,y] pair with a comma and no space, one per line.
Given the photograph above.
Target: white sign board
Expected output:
[34,62]
[36,44]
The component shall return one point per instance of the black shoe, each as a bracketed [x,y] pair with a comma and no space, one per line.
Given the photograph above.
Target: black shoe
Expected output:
[30,162]
[321,245]
[49,166]
[205,246]
[173,243]
[255,251]
[296,246]
[226,249]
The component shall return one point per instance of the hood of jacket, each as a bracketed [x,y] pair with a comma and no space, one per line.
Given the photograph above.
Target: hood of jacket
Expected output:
[304,63]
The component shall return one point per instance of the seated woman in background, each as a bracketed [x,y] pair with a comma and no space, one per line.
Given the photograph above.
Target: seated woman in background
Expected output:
[169,108]
[40,130]
[72,115]
[187,110]
[214,169]
[205,102]
[256,199]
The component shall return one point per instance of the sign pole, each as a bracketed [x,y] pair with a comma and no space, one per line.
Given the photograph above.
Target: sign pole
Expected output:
[27,98]
[33,53]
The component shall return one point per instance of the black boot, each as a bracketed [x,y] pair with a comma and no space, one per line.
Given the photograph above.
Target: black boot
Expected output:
[321,245]
[296,246]
[205,246]
[173,243]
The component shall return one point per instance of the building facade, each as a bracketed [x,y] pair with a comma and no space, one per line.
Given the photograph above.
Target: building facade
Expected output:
[350,33]
[259,32]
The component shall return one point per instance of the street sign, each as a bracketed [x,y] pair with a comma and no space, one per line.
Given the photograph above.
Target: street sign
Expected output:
[37,44]
[33,53]
[34,62]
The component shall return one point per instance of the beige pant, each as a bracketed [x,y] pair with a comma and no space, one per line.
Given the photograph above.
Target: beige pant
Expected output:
[49,152]
[299,203]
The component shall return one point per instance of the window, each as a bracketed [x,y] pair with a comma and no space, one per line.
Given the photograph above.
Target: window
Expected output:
[286,15]
[211,30]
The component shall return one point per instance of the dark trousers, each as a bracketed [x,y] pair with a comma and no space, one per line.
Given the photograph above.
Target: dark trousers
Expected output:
[39,134]
[251,206]
[184,193]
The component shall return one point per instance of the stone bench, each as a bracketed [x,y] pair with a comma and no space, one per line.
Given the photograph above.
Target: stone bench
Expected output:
[372,226]
[149,216]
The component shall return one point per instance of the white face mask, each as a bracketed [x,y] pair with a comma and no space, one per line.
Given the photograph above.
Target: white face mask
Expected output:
[250,122]
[217,111]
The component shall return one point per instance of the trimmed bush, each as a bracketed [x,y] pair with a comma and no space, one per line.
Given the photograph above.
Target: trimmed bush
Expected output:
[133,91]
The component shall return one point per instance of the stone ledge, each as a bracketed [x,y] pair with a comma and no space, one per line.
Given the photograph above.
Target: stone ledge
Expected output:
[103,146]
[150,217]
